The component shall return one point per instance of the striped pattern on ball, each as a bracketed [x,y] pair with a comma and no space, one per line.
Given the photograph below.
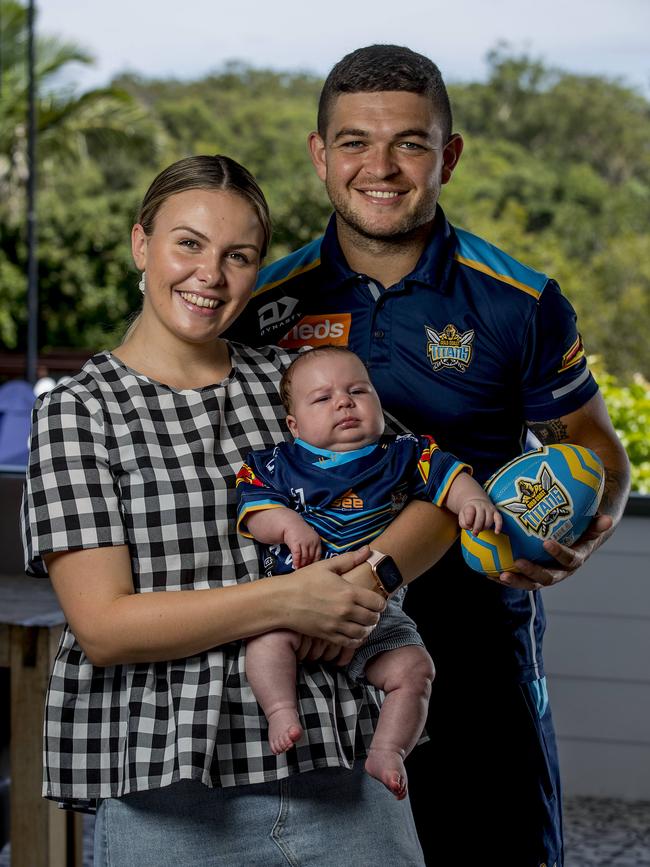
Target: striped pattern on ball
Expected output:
[549,493]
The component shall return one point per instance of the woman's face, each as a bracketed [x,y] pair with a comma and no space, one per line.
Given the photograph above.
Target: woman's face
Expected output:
[201,262]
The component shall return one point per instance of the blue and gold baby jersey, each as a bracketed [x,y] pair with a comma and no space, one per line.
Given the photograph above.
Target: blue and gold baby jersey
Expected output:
[469,346]
[349,498]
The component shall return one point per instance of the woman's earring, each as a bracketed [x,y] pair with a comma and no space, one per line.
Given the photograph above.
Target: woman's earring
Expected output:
[142,285]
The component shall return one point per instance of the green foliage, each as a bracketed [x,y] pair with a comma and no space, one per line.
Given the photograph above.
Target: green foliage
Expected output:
[629,409]
[260,118]
[89,148]
[556,170]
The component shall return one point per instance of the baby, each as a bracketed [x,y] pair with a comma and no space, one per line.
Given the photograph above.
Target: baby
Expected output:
[335,488]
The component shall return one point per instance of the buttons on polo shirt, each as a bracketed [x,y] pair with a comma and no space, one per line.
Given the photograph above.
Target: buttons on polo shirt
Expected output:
[378,334]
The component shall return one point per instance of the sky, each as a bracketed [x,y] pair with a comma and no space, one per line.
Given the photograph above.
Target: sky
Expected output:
[186,39]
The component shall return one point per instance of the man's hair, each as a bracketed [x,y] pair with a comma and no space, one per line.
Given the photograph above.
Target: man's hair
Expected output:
[317,351]
[379,68]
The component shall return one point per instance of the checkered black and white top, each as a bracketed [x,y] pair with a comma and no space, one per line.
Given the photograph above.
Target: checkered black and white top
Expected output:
[117,459]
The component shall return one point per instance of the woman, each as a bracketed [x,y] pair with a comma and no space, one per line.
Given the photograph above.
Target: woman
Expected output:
[130,510]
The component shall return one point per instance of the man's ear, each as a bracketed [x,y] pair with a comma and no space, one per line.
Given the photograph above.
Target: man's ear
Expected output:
[318,154]
[451,155]
[292,424]
[139,247]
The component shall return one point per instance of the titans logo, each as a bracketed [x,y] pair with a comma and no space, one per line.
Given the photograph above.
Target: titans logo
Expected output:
[449,347]
[541,503]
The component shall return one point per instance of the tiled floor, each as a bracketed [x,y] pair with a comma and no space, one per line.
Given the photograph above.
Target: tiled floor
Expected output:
[600,832]
[604,832]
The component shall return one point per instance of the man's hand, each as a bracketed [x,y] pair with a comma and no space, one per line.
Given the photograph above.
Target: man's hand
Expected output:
[532,576]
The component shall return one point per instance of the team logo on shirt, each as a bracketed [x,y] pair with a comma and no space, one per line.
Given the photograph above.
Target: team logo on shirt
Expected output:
[398,499]
[541,502]
[449,348]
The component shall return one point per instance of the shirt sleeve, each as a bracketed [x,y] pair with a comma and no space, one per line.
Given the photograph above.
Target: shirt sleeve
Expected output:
[255,491]
[71,498]
[434,472]
[555,377]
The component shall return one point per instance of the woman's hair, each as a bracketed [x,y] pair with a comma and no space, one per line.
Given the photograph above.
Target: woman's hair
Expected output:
[205,173]
[316,352]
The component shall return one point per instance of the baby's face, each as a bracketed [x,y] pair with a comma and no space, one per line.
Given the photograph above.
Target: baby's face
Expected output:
[333,403]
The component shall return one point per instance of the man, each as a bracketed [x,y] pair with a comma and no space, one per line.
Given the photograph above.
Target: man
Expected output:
[469,345]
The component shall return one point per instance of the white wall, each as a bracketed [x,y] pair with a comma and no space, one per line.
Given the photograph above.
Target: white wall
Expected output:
[597,655]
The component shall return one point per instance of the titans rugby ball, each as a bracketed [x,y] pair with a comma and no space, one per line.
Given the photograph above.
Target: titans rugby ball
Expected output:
[549,493]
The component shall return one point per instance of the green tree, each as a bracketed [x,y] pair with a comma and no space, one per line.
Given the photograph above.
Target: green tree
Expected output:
[557,172]
[79,136]
[260,118]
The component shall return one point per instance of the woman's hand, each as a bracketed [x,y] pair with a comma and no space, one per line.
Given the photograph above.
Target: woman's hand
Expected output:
[322,604]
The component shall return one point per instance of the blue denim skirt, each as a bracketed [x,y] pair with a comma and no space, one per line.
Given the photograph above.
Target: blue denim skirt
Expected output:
[323,818]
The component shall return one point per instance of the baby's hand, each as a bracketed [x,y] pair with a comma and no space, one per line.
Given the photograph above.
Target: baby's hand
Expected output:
[480,514]
[303,542]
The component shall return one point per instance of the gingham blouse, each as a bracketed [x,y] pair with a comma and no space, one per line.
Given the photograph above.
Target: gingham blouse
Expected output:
[117,458]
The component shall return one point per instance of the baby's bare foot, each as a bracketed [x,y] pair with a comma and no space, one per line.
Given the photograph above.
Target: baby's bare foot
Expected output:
[284,729]
[387,766]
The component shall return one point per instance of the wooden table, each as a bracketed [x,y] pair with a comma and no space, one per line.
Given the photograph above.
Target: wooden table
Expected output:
[30,625]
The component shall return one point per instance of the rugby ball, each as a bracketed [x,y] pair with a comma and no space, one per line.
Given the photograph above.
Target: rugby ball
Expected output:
[549,493]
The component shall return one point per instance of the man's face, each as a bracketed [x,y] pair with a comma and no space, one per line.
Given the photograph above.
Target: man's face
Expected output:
[383,161]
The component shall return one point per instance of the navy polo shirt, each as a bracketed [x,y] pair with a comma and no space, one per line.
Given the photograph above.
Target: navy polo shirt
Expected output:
[468,347]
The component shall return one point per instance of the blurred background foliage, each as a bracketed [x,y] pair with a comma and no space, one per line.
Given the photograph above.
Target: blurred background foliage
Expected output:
[556,170]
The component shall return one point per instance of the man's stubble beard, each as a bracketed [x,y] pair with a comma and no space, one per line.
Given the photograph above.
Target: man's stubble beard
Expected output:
[408,229]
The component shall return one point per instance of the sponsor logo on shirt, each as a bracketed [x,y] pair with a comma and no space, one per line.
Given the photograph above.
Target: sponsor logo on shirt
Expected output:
[348,500]
[318,330]
[276,313]
[449,348]
[540,504]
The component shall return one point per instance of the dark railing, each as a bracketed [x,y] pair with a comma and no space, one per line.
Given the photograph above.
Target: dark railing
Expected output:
[54,363]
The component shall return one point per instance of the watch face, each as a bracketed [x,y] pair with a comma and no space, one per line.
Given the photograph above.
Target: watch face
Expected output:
[389,574]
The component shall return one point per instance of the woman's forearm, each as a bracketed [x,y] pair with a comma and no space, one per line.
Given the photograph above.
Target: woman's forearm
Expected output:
[420,535]
[113,624]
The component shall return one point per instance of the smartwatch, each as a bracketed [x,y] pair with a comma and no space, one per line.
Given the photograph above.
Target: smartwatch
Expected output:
[387,575]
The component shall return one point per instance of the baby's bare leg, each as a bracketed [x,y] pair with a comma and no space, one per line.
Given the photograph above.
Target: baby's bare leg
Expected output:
[405,675]
[271,672]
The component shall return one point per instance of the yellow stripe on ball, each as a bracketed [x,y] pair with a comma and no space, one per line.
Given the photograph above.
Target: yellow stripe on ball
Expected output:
[492,550]
[583,466]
